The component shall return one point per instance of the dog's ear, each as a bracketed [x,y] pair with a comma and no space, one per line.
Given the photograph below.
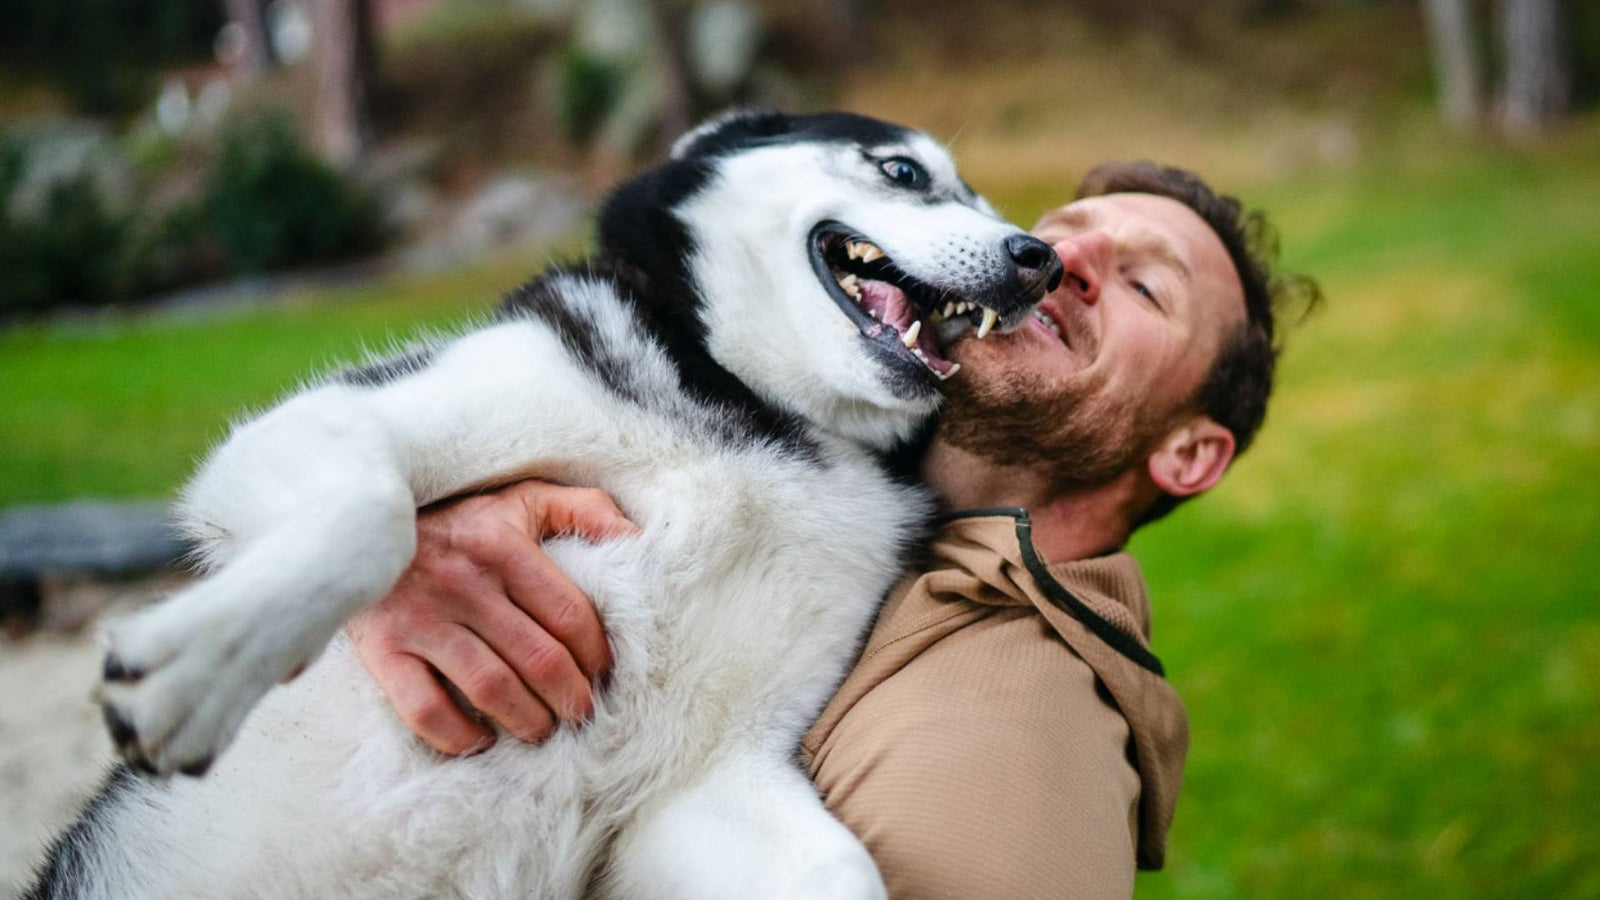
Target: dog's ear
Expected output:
[731,130]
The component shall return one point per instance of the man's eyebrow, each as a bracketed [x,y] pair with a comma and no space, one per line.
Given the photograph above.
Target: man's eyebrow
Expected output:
[1062,215]
[1160,253]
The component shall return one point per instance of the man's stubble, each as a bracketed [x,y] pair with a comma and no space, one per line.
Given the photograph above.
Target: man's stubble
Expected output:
[1077,433]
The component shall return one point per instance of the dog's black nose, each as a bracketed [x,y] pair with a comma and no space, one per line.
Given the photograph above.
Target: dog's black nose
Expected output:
[1038,267]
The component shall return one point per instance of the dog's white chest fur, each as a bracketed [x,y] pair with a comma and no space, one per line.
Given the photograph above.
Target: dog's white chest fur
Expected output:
[725,614]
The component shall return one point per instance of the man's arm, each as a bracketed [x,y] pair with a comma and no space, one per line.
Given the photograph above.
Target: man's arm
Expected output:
[482,607]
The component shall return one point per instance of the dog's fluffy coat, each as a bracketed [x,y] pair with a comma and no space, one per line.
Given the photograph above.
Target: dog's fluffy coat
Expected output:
[696,371]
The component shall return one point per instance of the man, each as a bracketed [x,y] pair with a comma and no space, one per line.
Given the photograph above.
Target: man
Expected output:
[1006,731]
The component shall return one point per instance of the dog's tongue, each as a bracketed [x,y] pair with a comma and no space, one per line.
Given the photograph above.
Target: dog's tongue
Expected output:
[893,308]
[887,302]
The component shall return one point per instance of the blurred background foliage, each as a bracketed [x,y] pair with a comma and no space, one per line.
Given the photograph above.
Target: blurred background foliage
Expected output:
[1384,622]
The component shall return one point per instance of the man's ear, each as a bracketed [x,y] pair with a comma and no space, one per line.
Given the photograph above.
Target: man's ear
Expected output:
[1192,457]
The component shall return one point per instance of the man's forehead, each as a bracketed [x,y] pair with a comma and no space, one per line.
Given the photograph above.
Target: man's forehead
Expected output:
[1154,219]
[1163,215]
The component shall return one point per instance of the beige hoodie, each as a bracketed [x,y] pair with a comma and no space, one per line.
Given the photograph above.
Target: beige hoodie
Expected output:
[1006,731]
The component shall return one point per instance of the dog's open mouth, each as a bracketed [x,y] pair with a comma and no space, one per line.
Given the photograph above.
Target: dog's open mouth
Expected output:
[889,305]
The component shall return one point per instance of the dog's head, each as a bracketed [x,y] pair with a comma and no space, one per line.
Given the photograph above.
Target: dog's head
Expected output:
[827,260]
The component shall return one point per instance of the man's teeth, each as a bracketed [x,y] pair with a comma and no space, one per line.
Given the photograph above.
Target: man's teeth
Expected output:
[866,251]
[989,318]
[1048,322]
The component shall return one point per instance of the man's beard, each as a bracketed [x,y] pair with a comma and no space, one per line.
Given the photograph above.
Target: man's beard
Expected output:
[1076,434]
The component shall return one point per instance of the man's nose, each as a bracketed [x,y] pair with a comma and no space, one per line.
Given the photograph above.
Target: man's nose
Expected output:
[1083,262]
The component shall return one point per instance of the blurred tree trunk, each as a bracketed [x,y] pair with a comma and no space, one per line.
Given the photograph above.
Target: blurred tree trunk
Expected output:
[677,95]
[251,17]
[345,61]
[1538,80]
[1456,64]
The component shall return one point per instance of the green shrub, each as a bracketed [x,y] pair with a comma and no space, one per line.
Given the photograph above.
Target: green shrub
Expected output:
[586,89]
[130,218]
[71,248]
[269,202]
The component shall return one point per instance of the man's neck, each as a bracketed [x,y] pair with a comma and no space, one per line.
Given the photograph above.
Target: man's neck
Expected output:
[1067,525]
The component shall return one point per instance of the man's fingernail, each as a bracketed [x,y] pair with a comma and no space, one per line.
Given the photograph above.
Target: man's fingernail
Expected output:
[483,744]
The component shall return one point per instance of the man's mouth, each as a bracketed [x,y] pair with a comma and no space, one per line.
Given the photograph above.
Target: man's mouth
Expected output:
[917,320]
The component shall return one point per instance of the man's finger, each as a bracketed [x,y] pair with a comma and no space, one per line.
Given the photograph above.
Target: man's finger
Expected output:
[426,708]
[586,512]
[544,666]
[546,593]
[489,683]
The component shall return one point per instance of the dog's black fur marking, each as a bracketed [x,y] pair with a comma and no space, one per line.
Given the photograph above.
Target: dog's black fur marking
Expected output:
[383,371]
[644,253]
[62,875]
[756,129]
[541,299]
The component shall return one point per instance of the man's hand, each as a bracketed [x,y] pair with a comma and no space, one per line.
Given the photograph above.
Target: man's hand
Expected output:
[483,607]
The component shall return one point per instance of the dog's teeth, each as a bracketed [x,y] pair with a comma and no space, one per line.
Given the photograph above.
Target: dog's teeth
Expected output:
[873,313]
[850,286]
[949,310]
[954,368]
[911,333]
[989,318]
[869,251]
[852,249]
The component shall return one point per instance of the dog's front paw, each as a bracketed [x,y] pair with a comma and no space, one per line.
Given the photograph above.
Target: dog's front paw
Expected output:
[179,679]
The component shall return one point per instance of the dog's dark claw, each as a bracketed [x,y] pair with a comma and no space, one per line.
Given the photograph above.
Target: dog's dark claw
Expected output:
[114,670]
[196,769]
[122,731]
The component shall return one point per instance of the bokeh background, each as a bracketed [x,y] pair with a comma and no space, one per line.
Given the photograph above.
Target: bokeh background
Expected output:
[1384,622]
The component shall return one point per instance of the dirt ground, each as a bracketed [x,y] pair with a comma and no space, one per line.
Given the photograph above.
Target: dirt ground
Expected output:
[53,747]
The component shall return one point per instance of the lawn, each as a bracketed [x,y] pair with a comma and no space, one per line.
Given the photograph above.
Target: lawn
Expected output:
[1384,623]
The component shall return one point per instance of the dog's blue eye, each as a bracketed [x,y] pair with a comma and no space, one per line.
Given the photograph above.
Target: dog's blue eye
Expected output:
[904,172]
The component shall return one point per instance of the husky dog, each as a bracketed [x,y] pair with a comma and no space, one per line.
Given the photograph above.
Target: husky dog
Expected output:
[762,326]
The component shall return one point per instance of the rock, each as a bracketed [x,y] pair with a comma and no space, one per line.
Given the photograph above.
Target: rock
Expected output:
[512,211]
[86,537]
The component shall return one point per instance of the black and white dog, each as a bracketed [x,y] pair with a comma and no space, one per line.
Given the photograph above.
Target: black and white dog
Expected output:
[762,326]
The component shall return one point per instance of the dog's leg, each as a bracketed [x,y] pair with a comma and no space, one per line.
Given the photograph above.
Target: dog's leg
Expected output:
[311,512]
[752,827]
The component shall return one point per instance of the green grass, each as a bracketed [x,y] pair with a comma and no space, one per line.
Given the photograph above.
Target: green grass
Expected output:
[122,406]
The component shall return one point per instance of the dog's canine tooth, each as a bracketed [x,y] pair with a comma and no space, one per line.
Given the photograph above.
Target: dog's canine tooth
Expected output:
[852,249]
[870,251]
[954,368]
[989,318]
[910,337]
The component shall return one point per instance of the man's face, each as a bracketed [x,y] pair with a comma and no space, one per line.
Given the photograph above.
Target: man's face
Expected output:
[1088,386]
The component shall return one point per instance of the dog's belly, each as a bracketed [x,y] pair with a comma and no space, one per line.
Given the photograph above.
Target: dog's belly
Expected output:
[731,616]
